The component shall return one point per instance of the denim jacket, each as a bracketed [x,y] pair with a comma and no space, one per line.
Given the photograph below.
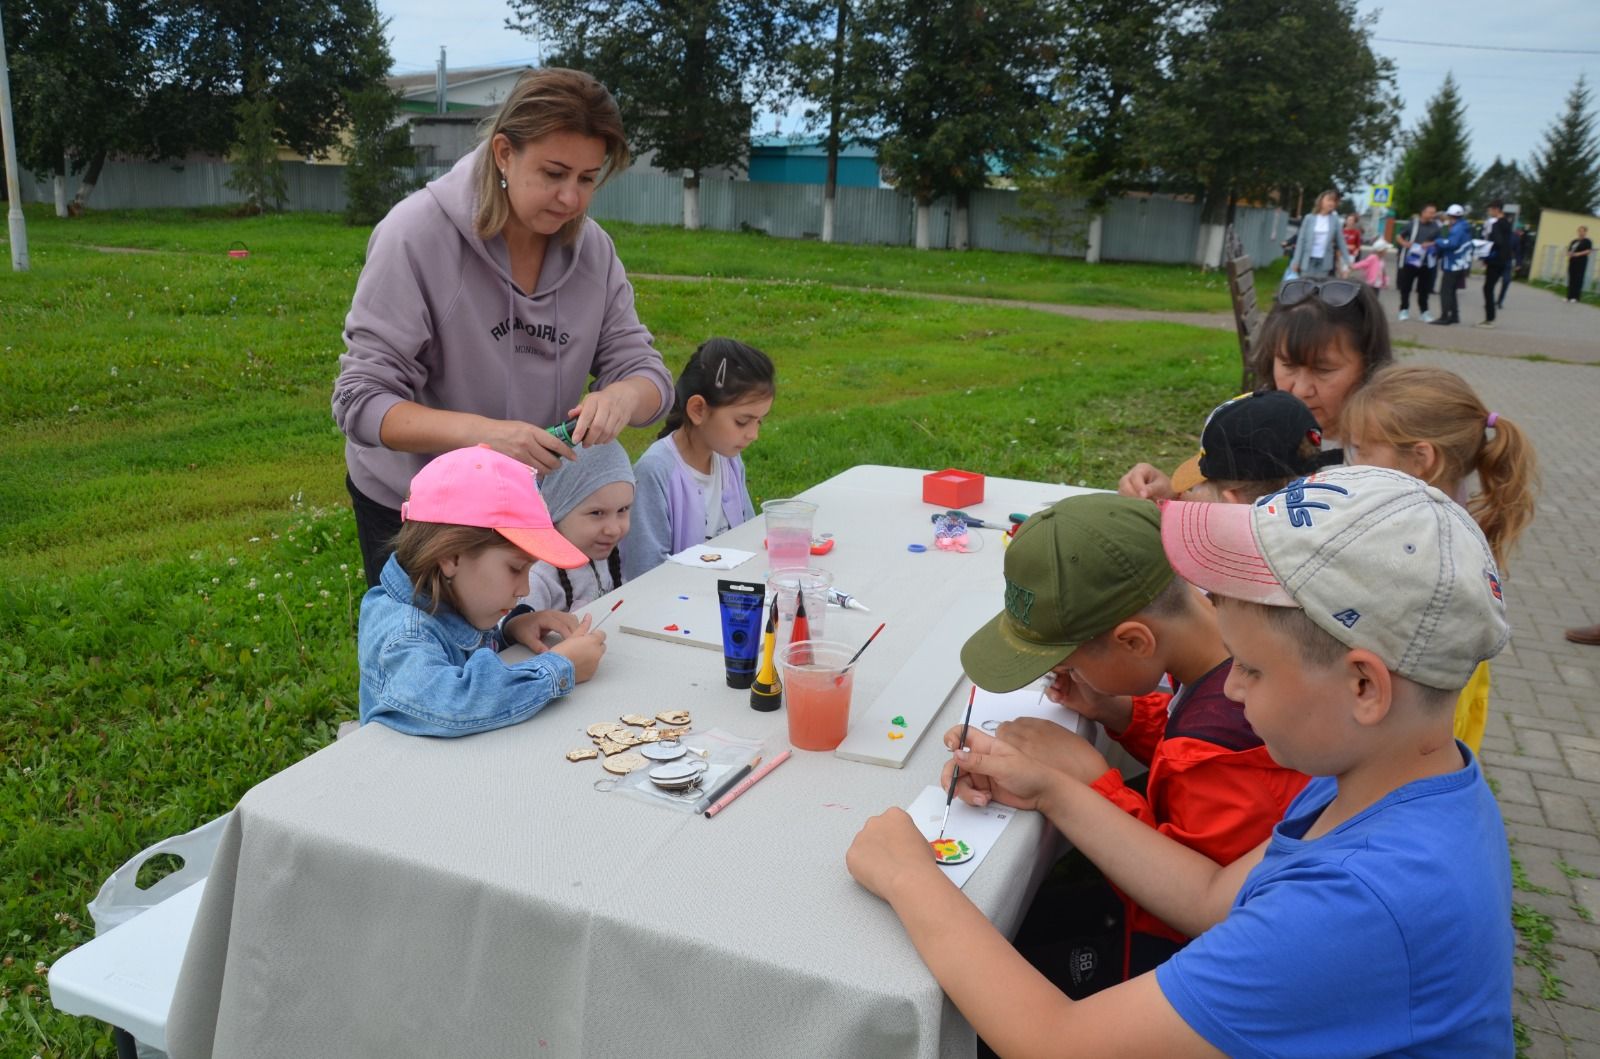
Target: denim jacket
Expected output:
[434,674]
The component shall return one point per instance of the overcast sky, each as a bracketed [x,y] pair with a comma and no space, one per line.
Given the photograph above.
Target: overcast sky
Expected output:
[1511,96]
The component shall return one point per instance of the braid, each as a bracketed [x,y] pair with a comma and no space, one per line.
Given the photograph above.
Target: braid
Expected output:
[614,564]
[566,586]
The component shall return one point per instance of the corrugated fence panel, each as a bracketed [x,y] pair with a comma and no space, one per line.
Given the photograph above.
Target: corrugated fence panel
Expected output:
[149,185]
[793,211]
[640,197]
[1261,231]
[987,229]
[1150,229]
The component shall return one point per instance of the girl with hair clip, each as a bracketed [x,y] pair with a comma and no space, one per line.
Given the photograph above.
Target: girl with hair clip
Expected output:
[431,630]
[690,483]
[591,502]
[1430,424]
[1321,342]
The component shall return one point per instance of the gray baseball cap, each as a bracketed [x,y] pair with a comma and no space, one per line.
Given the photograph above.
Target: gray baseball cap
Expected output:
[1374,557]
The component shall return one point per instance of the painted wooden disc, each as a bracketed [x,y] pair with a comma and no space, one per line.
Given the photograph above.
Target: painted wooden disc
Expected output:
[949,851]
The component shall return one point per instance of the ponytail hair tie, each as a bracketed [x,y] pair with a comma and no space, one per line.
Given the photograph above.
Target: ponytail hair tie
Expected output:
[1494,417]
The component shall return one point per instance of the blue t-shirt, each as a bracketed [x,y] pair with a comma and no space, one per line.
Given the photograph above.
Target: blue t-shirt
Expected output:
[1389,935]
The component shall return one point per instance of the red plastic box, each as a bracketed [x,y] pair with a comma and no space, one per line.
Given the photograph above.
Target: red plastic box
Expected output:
[952,488]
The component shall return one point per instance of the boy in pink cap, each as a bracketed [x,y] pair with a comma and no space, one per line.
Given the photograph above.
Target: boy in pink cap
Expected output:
[1376,919]
[431,629]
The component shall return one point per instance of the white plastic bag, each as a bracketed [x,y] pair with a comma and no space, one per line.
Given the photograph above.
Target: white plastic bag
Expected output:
[120,898]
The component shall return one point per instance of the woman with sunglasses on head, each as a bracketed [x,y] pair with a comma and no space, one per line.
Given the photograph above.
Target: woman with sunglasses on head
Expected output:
[1322,341]
[1320,246]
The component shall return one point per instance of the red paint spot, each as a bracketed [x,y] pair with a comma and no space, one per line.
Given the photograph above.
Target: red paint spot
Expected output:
[669,628]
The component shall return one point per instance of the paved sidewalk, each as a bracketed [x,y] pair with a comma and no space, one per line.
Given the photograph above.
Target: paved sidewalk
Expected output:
[1535,322]
[1542,746]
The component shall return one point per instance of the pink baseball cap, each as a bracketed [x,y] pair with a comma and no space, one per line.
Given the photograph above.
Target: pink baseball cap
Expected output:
[481,487]
[1375,558]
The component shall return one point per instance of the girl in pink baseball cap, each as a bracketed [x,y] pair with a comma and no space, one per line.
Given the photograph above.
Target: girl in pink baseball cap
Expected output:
[472,527]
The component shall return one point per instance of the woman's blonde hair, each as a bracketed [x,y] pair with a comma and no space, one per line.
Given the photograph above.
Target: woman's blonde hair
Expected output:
[1406,404]
[421,547]
[545,102]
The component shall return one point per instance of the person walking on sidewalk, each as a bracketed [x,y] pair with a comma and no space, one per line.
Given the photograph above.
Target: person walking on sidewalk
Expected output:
[1455,259]
[1418,265]
[1498,261]
[1513,267]
[1578,253]
[1320,248]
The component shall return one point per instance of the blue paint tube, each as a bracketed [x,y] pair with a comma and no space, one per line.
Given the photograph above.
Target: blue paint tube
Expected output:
[741,604]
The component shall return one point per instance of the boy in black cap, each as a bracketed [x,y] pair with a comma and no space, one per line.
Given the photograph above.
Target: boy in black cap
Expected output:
[1251,446]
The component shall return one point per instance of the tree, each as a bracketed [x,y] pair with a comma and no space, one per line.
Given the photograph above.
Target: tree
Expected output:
[1113,51]
[1259,94]
[1502,180]
[257,174]
[1435,166]
[164,78]
[958,85]
[1111,55]
[1565,172]
[828,73]
[310,54]
[687,76]
[79,72]
[380,159]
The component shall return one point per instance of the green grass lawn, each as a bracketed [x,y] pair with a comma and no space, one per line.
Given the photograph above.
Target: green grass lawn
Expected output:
[674,251]
[178,618]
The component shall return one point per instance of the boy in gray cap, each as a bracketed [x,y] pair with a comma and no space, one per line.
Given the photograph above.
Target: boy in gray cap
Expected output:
[1376,919]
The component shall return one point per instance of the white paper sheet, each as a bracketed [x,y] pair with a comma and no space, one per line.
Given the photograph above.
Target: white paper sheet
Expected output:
[990,708]
[726,558]
[978,828]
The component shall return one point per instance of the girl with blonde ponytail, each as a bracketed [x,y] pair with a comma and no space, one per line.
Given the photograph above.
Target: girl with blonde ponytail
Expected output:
[1429,423]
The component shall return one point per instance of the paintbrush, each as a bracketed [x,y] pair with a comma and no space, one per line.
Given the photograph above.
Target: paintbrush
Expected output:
[955,773]
[606,615]
[838,680]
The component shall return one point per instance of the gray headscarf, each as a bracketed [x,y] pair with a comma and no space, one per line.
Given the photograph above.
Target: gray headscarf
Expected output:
[564,488]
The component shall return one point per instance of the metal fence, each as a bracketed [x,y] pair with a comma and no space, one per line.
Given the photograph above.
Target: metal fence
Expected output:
[1153,228]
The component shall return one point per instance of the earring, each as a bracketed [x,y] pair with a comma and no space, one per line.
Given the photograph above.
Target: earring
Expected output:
[502,180]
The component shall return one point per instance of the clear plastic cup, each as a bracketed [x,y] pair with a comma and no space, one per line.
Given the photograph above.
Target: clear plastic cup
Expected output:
[790,586]
[817,700]
[788,532]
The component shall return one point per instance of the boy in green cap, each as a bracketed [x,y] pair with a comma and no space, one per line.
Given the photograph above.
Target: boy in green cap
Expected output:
[1376,919]
[1091,598]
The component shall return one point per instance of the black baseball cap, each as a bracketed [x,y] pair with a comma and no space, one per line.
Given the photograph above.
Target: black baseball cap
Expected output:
[1256,437]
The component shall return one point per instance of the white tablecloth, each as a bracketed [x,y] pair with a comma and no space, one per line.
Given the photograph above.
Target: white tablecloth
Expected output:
[394,895]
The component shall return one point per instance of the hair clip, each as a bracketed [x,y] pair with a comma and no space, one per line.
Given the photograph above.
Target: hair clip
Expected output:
[722,372]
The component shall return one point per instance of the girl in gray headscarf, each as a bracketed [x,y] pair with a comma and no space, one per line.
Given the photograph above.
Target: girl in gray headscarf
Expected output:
[590,500]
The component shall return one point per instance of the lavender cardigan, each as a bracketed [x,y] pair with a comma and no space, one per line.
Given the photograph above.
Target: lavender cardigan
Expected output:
[669,511]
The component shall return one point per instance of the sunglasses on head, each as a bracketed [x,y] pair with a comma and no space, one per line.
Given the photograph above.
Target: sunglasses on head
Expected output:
[1335,293]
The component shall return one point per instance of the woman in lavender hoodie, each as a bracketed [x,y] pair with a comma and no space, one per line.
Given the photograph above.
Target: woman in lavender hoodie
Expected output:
[488,303]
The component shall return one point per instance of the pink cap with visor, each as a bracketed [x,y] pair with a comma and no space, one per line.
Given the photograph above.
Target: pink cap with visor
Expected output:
[481,487]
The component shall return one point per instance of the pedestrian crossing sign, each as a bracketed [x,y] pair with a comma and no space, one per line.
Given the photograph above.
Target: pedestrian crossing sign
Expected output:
[1382,194]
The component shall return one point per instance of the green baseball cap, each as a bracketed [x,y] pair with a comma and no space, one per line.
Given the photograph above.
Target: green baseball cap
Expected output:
[1073,571]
